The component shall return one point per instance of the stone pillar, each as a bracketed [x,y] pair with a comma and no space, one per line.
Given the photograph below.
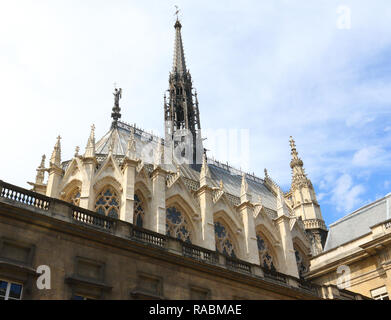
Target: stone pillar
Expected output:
[87,198]
[246,211]
[55,175]
[157,220]
[127,201]
[290,266]
[205,194]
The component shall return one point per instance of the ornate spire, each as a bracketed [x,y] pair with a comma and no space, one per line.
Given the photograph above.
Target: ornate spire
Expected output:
[131,148]
[181,113]
[296,161]
[179,65]
[299,177]
[90,148]
[116,114]
[244,195]
[56,154]
[205,175]
[41,171]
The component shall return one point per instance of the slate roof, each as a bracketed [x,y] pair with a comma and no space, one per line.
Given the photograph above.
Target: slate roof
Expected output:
[357,223]
[146,143]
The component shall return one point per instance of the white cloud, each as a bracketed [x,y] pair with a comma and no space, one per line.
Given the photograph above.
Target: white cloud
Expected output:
[370,156]
[345,195]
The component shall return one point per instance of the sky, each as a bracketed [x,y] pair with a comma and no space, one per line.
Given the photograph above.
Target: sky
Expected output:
[319,71]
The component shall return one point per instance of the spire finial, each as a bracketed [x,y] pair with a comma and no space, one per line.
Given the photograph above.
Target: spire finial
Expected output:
[116,114]
[90,148]
[77,149]
[56,155]
[177,10]
[41,171]
[292,143]
[179,55]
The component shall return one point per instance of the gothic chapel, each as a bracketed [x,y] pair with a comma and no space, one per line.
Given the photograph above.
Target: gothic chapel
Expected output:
[134,176]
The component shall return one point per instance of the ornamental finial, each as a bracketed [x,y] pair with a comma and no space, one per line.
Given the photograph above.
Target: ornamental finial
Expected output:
[292,143]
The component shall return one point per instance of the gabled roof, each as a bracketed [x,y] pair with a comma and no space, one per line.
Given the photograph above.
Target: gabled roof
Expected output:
[357,223]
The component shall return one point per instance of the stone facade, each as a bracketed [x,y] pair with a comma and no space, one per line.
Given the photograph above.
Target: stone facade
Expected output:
[97,257]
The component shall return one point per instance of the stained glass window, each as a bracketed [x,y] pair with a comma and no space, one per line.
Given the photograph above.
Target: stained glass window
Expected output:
[223,240]
[138,217]
[176,225]
[265,257]
[301,265]
[107,202]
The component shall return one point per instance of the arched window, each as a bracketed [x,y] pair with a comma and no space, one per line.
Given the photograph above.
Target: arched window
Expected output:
[74,197]
[265,257]
[301,263]
[223,240]
[138,215]
[176,225]
[107,202]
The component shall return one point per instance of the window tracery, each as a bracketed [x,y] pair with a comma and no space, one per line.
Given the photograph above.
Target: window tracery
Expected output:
[265,257]
[177,225]
[107,202]
[74,197]
[301,264]
[223,240]
[138,216]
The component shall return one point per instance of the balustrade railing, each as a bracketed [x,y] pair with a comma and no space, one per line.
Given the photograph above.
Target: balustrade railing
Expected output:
[198,253]
[303,284]
[92,219]
[237,265]
[149,237]
[24,196]
[274,275]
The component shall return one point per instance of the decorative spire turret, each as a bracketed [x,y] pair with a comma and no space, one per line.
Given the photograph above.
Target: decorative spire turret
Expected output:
[41,171]
[304,202]
[244,194]
[90,148]
[205,176]
[56,154]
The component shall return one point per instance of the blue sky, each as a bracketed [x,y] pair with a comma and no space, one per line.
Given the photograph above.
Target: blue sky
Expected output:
[276,68]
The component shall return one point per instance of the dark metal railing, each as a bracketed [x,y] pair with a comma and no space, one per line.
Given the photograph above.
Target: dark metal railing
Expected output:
[198,253]
[238,265]
[24,196]
[149,237]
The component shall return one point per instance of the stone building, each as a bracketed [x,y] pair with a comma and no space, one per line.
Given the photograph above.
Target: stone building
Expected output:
[134,209]
[359,245]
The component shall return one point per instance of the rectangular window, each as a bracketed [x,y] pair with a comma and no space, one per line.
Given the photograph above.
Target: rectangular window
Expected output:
[380,294]
[10,291]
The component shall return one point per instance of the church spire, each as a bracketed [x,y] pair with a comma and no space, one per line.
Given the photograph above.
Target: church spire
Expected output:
[181,113]
[179,65]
